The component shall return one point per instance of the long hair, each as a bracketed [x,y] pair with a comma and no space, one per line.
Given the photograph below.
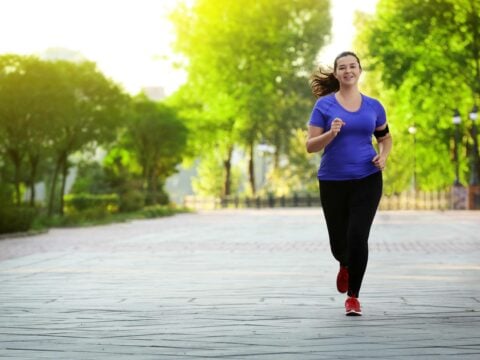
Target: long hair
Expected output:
[323,82]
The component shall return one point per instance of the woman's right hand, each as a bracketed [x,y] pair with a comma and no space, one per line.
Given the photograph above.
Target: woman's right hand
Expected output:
[336,126]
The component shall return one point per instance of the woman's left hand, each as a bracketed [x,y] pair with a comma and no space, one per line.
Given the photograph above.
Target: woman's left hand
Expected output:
[379,161]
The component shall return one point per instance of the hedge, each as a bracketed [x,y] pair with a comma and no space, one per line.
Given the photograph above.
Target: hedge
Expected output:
[91,204]
[16,218]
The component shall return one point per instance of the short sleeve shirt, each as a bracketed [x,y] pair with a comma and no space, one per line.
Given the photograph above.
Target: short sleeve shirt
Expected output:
[349,155]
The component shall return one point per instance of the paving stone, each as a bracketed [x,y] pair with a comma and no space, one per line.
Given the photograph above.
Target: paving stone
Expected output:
[241,284]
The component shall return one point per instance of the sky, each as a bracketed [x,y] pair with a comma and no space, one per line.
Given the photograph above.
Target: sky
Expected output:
[343,30]
[128,39]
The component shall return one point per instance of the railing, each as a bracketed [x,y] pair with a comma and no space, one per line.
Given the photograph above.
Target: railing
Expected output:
[419,200]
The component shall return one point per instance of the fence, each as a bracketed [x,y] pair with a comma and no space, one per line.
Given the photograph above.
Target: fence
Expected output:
[439,200]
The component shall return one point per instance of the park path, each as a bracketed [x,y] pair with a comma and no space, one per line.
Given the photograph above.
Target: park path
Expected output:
[241,284]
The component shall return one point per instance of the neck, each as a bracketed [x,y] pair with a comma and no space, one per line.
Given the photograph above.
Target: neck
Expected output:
[349,91]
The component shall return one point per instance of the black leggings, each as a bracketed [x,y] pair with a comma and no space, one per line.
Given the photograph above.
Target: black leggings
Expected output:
[349,207]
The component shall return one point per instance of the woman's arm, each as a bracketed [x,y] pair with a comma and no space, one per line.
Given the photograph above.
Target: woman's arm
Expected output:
[318,138]
[385,144]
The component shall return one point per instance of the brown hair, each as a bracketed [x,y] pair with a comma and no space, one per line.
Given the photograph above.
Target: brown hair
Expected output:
[323,82]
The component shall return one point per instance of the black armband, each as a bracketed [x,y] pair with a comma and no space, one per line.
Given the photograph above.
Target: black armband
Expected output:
[381,133]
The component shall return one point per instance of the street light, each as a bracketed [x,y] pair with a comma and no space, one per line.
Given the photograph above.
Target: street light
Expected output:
[456,121]
[474,164]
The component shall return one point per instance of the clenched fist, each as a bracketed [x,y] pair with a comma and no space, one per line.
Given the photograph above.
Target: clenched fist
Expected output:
[336,126]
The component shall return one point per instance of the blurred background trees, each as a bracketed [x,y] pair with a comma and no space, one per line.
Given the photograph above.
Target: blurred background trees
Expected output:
[248,64]
[422,59]
[240,118]
[58,116]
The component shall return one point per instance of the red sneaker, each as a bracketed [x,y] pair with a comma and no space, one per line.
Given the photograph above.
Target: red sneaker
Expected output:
[352,307]
[342,279]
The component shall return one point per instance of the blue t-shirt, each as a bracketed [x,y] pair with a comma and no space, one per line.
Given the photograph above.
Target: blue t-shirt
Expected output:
[349,155]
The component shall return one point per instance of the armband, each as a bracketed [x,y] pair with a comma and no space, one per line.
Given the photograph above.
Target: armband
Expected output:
[381,133]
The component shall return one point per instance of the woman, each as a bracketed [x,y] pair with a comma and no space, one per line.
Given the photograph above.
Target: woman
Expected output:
[350,174]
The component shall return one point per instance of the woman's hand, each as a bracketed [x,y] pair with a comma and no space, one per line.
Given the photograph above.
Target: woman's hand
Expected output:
[336,126]
[380,161]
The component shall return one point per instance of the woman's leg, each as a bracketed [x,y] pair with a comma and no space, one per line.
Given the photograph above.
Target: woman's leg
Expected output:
[334,199]
[366,194]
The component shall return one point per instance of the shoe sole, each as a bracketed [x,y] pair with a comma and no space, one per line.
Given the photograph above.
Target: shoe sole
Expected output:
[353,313]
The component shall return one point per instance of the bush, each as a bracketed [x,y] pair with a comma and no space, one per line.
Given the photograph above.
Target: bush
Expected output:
[90,206]
[157,211]
[6,194]
[16,219]
[91,179]
[131,200]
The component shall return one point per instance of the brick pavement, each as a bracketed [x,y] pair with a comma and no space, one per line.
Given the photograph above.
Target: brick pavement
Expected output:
[249,284]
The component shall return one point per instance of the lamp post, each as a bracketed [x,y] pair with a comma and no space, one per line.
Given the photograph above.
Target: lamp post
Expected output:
[474,162]
[456,122]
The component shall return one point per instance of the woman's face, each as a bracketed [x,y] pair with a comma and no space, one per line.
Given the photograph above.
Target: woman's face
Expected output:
[347,70]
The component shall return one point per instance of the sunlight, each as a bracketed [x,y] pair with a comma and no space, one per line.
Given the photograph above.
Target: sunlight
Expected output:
[129,40]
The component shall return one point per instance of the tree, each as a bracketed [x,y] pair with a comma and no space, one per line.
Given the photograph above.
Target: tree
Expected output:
[93,108]
[423,57]
[28,98]
[245,60]
[211,137]
[49,110]
[157,137]
[123,175]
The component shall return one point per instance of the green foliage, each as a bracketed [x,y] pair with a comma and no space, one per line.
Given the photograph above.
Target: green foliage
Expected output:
[85,207]
[89,218]
[93,109]
[157,211]
[6,194]
[123,174]
[13,218]
[132,199]
[51,110]
[48,111]
[91,178]
[211,176]
[247,63]
[27,99]
[422,59]
[298,174]
[107,203]
[156,136]
[16,218]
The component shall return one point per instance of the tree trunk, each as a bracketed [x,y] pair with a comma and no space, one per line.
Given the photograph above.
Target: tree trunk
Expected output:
[17,164]
[64,181]
[34,161]
[53,186]
[227,164]
[147,185]
[251,170]
[17,178]
[153,186]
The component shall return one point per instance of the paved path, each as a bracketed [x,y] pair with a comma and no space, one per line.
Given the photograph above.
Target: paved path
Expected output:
[247,284]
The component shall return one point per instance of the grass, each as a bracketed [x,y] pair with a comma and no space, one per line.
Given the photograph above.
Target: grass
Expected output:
[92,218]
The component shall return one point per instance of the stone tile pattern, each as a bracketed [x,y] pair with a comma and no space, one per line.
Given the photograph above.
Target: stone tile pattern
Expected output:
[241,284]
